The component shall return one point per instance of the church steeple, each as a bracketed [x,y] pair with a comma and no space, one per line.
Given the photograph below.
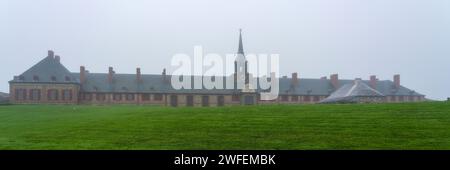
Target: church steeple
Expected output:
[241,47]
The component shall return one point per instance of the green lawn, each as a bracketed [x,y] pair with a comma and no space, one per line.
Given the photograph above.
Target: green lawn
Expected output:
[359,126]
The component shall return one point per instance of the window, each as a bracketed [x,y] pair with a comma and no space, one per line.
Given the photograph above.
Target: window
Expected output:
[67,94]
[87,96]
[235,98]
[117,97]
[35,78]
[130,97]
[284,98]
[205,100]
[401,98]
[35,94]
[52,94]
[67,78]
[53,78]
[100,97]
[316,98]
[21,78]
[190,100]
[307,98]
[294,98]
[158,97]
[145,97]
[21,94]
[220,100]
[392,98]
[411,98]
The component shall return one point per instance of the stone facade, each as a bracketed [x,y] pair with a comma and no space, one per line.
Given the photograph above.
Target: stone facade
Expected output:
[39,93]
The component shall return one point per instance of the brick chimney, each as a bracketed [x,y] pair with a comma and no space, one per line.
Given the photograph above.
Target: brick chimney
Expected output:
[397,80]
[138,75]
[57,58]
[334,78]
[164,74]
[110,75]
[50,53]
[295,79]
[373,81]
[82,74]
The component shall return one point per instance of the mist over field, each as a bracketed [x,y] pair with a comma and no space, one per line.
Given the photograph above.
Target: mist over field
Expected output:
[355,38]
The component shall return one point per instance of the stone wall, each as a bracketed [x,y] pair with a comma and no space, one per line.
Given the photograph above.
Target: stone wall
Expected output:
[43,97]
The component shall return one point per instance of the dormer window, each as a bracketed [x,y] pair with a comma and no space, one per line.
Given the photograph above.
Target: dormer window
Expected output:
[53,78]
[21,78]
[67,78]
[35,78]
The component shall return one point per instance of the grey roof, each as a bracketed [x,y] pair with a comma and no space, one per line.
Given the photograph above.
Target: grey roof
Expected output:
[305,87]
[4,94]
[154,83]
[150,83]
[46,69]
[349,91]
[4,97]
[387,88]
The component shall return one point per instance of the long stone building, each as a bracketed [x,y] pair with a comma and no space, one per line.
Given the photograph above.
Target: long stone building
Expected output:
[49,82]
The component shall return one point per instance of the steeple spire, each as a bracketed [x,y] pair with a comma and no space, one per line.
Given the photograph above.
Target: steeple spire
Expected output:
[241,47]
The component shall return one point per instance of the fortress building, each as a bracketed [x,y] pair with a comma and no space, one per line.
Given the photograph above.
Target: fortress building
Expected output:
[49,82]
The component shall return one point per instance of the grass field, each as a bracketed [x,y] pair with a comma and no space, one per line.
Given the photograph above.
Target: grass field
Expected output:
[360,126]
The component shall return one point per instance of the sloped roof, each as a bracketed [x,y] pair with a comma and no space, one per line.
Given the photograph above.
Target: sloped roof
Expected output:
[150,83]
[46,69]
[349,91]
[4,94]
[4,97]
[154,83]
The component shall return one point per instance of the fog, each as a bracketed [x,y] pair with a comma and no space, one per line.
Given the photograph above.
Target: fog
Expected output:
[354,38]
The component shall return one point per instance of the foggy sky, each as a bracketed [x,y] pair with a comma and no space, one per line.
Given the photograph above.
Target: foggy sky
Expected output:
[354,38]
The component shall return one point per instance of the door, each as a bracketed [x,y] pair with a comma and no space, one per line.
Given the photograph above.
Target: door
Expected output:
[190,100]
[174,100]
[220,101]
[205,100]
[249,100]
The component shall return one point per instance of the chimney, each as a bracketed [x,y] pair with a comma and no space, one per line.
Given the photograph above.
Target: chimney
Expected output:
[82,74]
[373,81]
[397,80]
[110,75]
[164,74]
[57,58]
[334,78]
[138,75]
[50,54]
[294,79]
